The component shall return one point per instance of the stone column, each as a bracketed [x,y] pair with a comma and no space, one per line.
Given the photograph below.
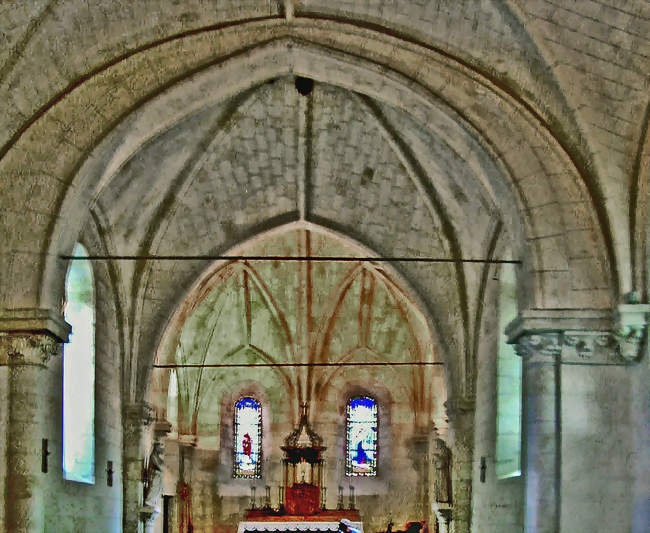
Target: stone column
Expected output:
[461,417]
[26,358]
[136,419]
[541,430]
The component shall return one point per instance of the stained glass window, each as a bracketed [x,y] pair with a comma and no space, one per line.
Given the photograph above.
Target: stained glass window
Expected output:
[361,437]
[79,372]
[248,438]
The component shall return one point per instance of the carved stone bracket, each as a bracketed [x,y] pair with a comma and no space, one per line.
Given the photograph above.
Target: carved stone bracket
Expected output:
[460,414]
[582,337]
[137,417]
[148,516]
[581,347]
[458,407]
[588,347]
[630,326]
[539,347]
[418,448]
[27,348]
[160,429]
[139,414]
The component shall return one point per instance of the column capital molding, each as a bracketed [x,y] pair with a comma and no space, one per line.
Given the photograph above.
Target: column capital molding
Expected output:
[629,331]
[459,406]
[19,349]
[140,414]
[587,336]
[161,429]
[35,320]
[537,321]
[540,346]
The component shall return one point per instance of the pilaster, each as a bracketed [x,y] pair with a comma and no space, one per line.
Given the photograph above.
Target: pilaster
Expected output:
[588,347]
[137,417]
[461,418]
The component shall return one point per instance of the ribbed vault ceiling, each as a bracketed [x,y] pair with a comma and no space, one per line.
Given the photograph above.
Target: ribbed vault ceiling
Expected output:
[334,158]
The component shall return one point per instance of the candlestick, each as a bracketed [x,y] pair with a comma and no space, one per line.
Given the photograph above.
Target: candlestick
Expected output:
[323,498]
[339,504]
[351,498]
[252,496]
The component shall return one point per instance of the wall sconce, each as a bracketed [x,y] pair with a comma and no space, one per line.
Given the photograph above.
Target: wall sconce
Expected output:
[44,454]
[109,473]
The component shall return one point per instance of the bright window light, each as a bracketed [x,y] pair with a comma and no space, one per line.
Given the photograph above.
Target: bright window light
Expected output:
[79,372]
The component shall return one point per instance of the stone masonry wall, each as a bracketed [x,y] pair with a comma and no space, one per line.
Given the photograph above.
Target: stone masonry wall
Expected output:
[72,506]
[496,503]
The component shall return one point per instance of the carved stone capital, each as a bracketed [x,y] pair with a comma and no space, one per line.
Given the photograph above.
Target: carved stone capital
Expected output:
[588,347]
[160,429]
[147,514]
[27,348]
[539,347]
[34,321]
[138,416]
[418,448]
[629,332]
[458,407]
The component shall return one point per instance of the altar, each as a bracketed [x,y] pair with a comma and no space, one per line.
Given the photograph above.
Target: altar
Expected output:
[301,506]
[294,526]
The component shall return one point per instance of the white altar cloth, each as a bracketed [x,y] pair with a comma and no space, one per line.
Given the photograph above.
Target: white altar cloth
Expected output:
[293,526]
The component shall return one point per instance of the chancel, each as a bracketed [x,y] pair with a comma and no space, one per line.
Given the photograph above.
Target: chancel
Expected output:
[324,266]
[302,502]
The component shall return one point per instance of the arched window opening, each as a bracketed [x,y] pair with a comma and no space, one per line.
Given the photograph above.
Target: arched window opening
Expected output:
[361,437]
[508,445]
[172,400]
[248,438]
[79,372]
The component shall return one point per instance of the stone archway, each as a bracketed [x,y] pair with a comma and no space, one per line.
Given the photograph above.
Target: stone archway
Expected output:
[347,313]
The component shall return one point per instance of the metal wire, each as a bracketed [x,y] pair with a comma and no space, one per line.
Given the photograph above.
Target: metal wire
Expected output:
[329,258]
[246,365]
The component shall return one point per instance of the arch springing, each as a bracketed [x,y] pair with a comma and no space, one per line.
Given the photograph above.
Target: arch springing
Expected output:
[361,437]
[247,460]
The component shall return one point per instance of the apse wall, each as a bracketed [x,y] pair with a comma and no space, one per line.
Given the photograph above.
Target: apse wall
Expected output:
[399,492]
[278,312]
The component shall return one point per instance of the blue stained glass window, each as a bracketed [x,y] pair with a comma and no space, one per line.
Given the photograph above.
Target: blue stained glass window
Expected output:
[248,438]
[79,372]
[361,437]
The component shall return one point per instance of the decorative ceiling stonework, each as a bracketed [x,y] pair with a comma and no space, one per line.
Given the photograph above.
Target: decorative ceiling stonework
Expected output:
[299,312]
